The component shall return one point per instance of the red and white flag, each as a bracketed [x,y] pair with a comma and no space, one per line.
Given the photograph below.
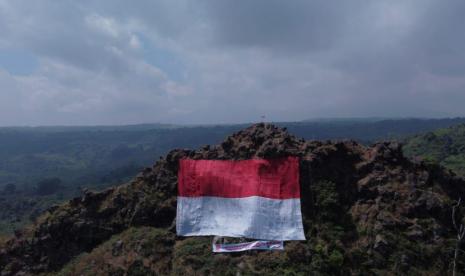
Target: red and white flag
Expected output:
[256,198]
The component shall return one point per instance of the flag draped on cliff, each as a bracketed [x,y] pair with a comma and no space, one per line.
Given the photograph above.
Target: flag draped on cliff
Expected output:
[256,198]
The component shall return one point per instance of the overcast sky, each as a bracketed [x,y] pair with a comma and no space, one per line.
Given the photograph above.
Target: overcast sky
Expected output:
[213,61]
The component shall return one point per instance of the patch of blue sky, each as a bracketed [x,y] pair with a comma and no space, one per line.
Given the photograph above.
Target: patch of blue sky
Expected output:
[163,59]
[18,62]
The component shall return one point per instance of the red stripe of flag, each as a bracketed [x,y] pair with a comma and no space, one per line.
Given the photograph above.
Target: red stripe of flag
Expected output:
[271,178]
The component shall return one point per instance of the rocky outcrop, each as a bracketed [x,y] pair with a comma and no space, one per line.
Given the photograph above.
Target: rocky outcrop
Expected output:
[366,210]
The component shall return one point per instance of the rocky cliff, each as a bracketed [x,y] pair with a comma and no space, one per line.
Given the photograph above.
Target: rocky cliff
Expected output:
[366,210]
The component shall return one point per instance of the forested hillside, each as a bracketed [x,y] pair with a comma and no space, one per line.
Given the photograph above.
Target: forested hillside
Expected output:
[445,146]
[41,166]
[367,210]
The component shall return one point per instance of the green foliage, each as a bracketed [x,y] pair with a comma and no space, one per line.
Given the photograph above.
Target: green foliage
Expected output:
[326,199]
[336,259]
[444,146]
[136,251]
[331,226]
[195,254]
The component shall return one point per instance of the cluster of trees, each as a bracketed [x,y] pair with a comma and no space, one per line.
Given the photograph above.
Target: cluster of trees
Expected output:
[443,146]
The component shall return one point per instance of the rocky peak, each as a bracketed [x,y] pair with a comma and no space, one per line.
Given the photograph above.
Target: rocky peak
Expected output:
[366,210]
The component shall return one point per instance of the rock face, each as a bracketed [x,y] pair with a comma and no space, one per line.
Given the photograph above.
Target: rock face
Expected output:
[366,210]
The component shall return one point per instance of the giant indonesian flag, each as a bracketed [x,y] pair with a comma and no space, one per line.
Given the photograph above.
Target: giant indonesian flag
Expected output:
[256,198]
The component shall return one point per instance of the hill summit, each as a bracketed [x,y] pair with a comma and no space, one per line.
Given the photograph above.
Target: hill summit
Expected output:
[366,210]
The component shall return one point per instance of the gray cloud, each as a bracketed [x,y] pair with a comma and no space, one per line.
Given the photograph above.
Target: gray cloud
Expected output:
[293,26]
[103,62]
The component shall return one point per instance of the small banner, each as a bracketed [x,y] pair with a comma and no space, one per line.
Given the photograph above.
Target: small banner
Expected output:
[254,245]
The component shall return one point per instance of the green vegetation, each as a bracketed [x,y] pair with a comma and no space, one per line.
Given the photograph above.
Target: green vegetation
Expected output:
[363,214]
[137,251]
[444,146]
[40,166]
[329,229]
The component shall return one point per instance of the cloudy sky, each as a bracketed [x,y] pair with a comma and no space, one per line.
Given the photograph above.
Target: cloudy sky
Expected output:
[213,61]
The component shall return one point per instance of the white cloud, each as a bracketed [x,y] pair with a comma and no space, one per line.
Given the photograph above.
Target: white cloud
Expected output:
[103,24]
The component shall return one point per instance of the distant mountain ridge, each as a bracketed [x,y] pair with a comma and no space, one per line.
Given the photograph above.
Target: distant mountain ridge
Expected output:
[81,150]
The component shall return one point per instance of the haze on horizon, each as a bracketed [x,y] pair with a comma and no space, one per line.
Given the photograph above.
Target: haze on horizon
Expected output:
[216,61]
